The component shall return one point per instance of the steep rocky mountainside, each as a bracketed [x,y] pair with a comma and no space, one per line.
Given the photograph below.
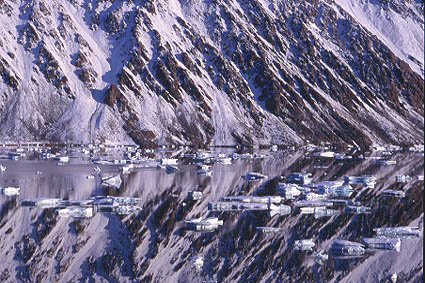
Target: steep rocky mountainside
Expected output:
[213,71]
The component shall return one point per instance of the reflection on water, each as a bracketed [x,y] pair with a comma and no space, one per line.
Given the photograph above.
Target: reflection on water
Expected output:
[47,179]
[163,195]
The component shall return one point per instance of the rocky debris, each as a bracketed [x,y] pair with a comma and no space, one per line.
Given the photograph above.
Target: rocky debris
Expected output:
[6,8]
[12,80]
[80,60]
[88,76]
[51,70]
[85,71]
[29,37]
[116,21]
[112,95]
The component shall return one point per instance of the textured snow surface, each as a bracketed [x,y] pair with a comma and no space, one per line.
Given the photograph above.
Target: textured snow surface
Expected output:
[402,32]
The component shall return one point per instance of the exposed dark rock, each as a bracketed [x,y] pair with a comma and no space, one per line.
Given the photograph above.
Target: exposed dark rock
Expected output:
[112,95]
[80,60]
[88,76]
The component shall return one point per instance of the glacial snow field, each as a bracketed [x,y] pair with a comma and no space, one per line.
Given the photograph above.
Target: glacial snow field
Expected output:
[151,244]
[212,72]
[398,24]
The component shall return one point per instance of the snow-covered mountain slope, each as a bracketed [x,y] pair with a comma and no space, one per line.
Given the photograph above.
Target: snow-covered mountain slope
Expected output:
[398,24]
[216,72]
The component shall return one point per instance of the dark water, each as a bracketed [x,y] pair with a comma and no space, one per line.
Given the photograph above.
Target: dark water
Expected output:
[39,178]
[165,193]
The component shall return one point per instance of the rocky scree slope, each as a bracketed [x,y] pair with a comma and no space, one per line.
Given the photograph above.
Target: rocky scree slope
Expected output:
[217,72]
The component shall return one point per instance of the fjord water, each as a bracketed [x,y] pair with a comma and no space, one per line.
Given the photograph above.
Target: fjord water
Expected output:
[164,206]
